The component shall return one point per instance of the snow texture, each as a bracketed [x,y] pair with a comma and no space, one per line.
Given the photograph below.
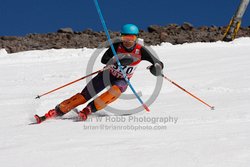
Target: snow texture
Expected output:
[192,134]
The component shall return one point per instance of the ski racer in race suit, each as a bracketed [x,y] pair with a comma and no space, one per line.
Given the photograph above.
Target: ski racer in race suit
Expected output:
[130,54]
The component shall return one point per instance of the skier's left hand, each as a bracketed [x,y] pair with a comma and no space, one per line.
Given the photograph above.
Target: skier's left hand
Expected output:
[156,69]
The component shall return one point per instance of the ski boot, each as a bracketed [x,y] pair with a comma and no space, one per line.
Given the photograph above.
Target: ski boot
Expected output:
[50,114]
[83,115]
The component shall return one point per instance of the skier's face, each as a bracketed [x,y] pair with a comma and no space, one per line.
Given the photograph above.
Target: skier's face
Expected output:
[128,40]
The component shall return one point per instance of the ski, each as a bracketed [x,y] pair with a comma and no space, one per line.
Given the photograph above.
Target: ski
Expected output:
[40,119]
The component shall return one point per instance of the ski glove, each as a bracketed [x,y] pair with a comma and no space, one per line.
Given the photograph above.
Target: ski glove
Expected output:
[156,69]
[126,61]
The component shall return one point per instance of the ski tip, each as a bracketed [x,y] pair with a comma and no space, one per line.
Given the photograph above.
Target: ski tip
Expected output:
[212,108]
[33,121]
[32,118]
[37,119]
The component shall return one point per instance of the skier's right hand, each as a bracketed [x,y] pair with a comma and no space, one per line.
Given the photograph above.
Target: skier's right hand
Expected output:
[124,59]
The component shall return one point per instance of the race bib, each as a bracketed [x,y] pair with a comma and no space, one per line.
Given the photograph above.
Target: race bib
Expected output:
[129,70]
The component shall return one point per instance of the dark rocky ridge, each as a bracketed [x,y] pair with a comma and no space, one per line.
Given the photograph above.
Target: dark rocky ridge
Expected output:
[67,38]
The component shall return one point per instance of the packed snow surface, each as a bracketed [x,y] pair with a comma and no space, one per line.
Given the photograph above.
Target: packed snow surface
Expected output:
[178,132]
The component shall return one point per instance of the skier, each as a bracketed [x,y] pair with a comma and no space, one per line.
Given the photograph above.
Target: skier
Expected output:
[130,54]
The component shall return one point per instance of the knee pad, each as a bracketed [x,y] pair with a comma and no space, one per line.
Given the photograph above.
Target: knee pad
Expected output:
[108,97]
[71,103]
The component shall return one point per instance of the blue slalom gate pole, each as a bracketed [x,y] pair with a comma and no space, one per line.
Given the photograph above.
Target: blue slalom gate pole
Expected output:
[116,57]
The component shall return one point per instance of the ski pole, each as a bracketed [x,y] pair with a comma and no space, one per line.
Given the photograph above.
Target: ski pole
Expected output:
[211,107]
[115,54]
[105,68]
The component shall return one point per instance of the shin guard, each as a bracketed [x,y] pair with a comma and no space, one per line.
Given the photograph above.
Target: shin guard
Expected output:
[108,97]
[71,103]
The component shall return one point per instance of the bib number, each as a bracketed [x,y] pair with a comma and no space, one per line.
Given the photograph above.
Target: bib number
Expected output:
[129,70]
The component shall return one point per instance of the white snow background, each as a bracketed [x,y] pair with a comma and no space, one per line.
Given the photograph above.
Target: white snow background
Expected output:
[218,73]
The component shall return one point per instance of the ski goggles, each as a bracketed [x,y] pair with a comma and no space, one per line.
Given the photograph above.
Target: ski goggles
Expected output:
[129,38]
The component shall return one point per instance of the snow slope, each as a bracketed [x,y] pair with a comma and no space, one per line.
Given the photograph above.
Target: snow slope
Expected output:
[192,135]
